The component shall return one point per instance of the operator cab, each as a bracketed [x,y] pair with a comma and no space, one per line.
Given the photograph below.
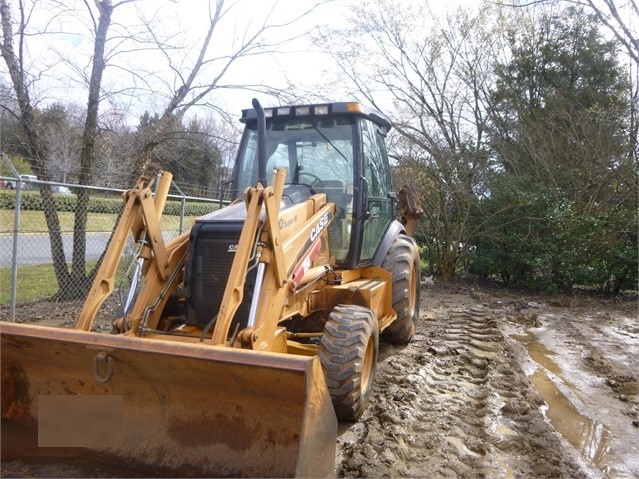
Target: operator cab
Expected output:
[337,149]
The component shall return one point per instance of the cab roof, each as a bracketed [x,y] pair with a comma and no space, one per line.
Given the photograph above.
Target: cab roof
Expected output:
[319,110]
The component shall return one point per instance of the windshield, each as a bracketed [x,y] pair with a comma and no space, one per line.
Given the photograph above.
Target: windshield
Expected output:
[312,151]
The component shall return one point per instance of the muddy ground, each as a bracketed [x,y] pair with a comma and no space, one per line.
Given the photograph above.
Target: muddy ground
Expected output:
[495,384]
[504,385]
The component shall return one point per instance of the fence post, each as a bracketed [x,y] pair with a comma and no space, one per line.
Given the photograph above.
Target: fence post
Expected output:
[182,207]
[16,231]
[182,211]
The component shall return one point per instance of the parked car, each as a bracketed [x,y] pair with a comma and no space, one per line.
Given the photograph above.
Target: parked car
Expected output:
[12,185]
[61,190]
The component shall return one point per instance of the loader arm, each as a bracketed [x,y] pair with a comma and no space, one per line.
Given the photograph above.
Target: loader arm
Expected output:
[294,256]
[277,260]
[141,216]
[234,291]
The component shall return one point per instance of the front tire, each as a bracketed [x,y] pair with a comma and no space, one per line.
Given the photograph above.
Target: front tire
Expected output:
[402,261]
[348,354]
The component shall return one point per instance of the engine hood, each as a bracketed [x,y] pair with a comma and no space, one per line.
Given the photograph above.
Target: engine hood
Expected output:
[233,212]
[293,194]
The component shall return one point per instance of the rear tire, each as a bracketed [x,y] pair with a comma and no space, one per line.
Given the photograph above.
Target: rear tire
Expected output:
[402,261]
[348,354]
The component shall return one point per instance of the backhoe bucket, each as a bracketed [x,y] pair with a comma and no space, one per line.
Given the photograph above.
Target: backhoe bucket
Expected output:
[163,408]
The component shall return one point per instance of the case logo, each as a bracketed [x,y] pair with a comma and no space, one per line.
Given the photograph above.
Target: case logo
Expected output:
[320,226]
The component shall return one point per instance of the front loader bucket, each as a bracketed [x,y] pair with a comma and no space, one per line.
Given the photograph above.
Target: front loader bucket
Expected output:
[163,408]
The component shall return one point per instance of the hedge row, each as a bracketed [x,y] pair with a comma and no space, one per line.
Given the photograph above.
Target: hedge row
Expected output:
[32,201]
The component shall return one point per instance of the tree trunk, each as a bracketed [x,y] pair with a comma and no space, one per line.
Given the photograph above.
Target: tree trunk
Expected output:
[448,261]
[81,281]
[37,148]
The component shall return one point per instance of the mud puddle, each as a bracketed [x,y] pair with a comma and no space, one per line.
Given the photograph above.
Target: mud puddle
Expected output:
[591,438]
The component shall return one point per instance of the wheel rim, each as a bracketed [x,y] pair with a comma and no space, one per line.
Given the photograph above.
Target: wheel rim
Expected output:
[367,367]
[412,294]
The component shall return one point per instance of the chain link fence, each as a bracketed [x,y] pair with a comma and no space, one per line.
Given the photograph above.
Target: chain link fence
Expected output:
[27,270]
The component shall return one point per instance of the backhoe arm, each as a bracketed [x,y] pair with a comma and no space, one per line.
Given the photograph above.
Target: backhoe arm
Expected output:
[410,207]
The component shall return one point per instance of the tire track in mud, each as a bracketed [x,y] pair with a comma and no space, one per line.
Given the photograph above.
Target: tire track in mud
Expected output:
[454,403]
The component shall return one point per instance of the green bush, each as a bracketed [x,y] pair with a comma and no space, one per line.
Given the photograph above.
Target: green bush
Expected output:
[192,208]
[32,201]
[6,200]
[539,240]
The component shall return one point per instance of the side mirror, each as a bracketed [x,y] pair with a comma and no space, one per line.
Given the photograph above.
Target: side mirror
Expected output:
[373,212]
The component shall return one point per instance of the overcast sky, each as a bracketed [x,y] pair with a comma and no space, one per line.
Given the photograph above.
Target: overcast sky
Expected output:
[64,53]
[62,56]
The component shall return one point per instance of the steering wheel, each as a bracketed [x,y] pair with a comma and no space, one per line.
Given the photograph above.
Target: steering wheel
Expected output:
[316,179]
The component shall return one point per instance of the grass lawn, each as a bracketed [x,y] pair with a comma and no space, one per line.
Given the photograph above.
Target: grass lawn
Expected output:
[34,222]
[39,281]
[34,282]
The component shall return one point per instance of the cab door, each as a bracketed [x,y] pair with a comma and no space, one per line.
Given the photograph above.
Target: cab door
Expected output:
[378,202]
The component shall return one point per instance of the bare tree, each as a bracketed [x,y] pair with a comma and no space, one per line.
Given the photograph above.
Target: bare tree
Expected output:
[225,133]
[193,87]
[610,13]
[70,283]
[15,60]
[431,77]
[62,133]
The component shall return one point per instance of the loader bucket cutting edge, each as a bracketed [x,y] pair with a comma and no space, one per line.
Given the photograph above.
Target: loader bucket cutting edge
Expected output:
[186,409]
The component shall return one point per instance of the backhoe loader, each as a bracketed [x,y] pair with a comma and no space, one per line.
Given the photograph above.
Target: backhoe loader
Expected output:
[245,339]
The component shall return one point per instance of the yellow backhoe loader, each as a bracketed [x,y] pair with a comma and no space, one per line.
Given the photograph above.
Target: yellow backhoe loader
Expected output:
[247,338]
